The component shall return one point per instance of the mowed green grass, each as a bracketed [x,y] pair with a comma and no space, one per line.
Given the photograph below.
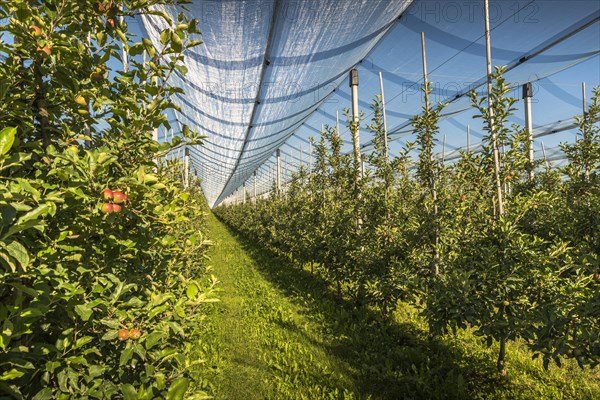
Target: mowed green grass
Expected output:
[280,333]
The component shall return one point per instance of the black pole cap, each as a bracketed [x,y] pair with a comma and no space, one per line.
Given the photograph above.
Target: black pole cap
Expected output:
[527,90]
[353,77]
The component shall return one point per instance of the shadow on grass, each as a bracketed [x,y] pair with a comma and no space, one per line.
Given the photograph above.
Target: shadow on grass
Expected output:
[386,359]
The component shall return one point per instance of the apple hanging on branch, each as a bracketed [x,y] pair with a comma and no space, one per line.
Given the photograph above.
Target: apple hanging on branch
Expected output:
[107,208]
[123,335]
[36,31]
[119,197]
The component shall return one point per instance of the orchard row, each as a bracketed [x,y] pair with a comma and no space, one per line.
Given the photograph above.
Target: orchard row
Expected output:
[435,235]
[102,279]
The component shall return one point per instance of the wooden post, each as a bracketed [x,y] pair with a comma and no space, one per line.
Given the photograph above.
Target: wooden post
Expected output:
[385,137]
[527,94]
[488,48]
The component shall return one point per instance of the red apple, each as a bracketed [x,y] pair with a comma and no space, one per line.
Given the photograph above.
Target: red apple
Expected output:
[116,208]
[107,208]
[123,334]
[119,197]
[135,334]
[36,31]
[111,23]
[46,50]
[107,194]
[104,7]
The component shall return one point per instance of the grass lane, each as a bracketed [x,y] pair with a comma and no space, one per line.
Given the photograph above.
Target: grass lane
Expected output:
[265,345]
[281,333]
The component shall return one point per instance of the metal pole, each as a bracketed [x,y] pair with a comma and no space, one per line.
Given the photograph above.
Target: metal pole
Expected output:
[527,94]
[488,48]
[355,121]
[125,52]
[583,97]
[356,139]
[286,170]
[385,137]
[444,150]
[545,158]
[468,139]
[310,158]
[337,123]
[254,187]
[186,166]
[244,193]
[362,165]
[424,59]
[435,264]
[278,177]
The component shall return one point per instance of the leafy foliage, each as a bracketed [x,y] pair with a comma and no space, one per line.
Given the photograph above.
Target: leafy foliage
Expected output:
[432,234]
[94,304]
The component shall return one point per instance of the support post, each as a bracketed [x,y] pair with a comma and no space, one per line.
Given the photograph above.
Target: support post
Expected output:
[310,158]
[155,138]
[355,139]
[355,120]
[254,184]
[444,150]
[545,158]
[125,52]
[278,176]
[186,166]
[286,171]
[488,48]
[435,262]
[244,193]
[468,139]
[385,137]
[424,60]
[527,95]
[584,105]
[362,165]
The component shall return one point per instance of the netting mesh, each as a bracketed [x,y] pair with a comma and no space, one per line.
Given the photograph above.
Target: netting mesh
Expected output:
[271,73]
